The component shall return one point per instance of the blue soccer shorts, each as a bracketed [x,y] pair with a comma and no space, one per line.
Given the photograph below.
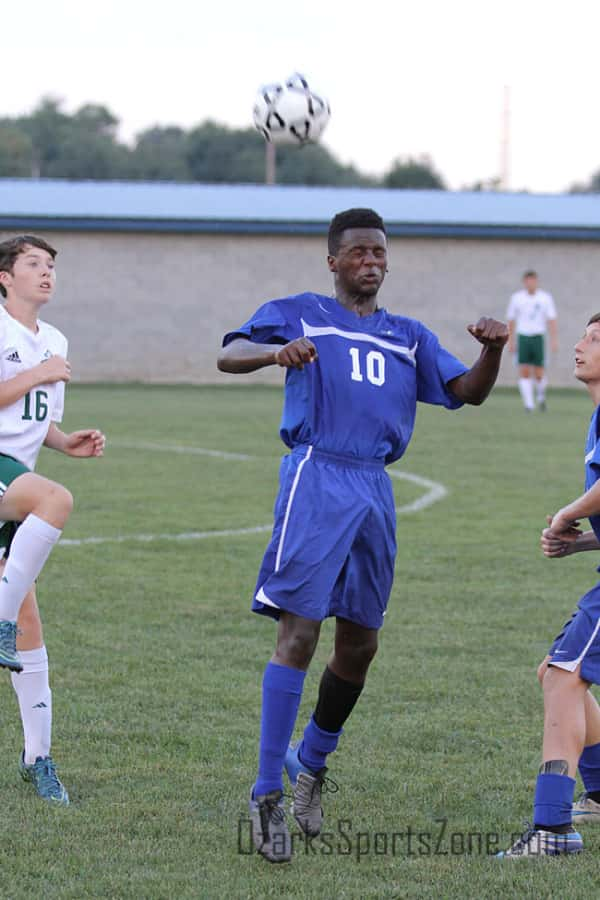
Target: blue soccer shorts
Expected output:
[333,545]
[578,644]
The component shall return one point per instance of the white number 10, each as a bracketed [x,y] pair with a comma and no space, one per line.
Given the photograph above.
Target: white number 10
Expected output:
[375,366]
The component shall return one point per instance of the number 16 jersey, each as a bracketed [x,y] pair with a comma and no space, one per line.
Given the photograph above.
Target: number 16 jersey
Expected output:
[359,397]
[24,424]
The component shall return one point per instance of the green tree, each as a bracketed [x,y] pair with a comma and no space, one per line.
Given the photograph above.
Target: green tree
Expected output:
[412,172]
[16,151]
[216,153]
[160,154]
[82,145]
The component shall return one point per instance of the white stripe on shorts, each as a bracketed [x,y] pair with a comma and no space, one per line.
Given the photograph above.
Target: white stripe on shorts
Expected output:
[571,664]
[262,598]
[289,507]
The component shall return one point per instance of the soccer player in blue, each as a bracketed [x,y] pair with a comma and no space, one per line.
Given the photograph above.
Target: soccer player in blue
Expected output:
[354,374]
[571,713]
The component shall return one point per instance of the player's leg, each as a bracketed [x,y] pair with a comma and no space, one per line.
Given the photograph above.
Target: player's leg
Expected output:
[282,685]
[541,383]
[525,379]
[42,507]
[573,664]
[34,696]
[359,602]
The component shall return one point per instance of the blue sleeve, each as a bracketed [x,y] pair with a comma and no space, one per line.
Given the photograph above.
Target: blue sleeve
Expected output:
[274,322]
[435,368]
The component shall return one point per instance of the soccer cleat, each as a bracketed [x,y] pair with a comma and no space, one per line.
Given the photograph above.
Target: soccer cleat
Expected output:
[269,829]
[42,774]
[585,810]
[307,787]
[9,658]
[537,842]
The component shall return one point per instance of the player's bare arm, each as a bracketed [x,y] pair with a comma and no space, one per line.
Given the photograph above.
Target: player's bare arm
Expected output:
[555,548]
[51,370]
[564,523]
[242,355]
[474,386]
[83,444]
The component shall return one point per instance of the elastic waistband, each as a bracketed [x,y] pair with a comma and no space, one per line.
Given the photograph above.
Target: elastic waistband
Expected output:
[340,459]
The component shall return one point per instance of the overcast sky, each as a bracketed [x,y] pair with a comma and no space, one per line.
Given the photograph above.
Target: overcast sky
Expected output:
[418,77]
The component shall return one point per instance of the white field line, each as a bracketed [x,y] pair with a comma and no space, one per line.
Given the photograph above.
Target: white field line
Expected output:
[433,494]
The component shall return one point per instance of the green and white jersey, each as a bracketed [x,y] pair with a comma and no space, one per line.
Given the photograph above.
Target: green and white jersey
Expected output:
[24,424]
[531,311]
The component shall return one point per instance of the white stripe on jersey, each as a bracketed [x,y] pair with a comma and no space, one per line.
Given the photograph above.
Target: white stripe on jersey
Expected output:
[289,507]
[317,331]
[590,455]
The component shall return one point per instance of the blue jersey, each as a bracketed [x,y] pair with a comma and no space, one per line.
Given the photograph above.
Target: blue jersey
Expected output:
[359,398]
[592,463]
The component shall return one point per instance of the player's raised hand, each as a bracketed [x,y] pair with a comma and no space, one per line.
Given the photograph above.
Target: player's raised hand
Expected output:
[489,332]
[296,354]
[85,443]
[55,368]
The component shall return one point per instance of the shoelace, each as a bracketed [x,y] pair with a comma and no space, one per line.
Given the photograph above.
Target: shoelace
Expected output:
[270,811]
[46,772]
[322,784]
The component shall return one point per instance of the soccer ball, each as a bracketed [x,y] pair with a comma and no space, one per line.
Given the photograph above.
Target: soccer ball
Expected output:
[290,112]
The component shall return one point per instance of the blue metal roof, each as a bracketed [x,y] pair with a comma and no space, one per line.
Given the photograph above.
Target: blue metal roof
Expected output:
[167,207]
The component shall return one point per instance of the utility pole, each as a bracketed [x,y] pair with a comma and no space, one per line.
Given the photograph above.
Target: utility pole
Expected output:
[270,163]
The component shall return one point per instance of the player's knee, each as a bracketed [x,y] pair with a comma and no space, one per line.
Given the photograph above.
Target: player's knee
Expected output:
[296,648]
[357,657]
[60,501]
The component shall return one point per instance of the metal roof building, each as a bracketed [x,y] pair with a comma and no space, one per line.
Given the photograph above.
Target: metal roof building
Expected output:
[260,209]
[152,274]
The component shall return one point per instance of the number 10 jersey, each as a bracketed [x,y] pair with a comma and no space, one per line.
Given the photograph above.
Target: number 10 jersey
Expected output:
[359,397]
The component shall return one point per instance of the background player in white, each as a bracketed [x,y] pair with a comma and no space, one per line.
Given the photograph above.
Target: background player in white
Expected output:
[33,373]
[531,312]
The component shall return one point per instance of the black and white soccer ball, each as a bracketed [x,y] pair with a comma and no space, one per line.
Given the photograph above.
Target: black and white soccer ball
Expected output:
[291,112]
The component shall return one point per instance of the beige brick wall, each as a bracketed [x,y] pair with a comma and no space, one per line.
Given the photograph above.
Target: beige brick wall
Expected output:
[154,307]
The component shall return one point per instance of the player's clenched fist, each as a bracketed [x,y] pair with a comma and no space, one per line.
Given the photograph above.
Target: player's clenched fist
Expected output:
[296,354]
[55,368]
[489,332]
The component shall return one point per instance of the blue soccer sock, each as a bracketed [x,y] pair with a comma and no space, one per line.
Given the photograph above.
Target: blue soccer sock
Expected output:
[589,768]
[553,800]
[282,692]
[316,744]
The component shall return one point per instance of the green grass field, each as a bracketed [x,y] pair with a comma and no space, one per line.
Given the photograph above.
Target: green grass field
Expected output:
[156,662]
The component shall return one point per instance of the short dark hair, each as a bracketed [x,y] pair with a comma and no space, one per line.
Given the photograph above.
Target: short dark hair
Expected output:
[13,247]
[530,273]
[595,318]
[351,218]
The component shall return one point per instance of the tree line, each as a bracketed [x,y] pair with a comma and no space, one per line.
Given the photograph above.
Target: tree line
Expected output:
[51,143]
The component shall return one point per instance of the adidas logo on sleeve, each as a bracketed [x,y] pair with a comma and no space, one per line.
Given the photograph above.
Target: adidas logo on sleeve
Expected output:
[14,357]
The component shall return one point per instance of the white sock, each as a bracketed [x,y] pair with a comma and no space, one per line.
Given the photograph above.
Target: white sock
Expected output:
[541,389]
[28,552]
[35,702]
[526,390]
